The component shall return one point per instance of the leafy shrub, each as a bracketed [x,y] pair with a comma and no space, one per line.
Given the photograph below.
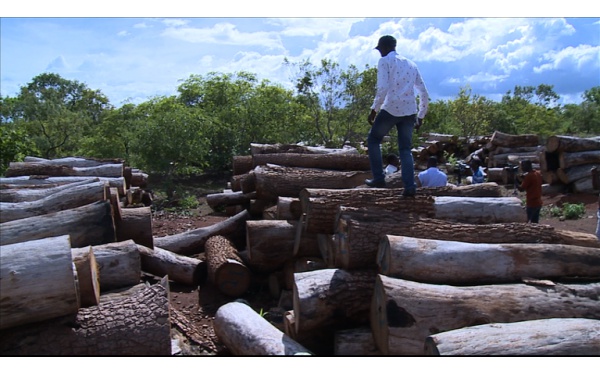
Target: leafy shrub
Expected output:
[573,211]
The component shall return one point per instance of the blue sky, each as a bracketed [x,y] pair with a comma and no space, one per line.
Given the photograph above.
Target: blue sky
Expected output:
[135,54]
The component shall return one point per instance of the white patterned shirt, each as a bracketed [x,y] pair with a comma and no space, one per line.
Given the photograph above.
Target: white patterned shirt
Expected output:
[397,80]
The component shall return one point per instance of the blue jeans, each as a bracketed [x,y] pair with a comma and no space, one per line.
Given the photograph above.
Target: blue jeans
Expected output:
[533,214]
[380,128]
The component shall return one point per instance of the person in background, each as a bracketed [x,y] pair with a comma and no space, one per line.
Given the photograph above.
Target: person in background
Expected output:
[532,185]
[478,176]
[393,164]
[395,104]
[432,177]
[596,186]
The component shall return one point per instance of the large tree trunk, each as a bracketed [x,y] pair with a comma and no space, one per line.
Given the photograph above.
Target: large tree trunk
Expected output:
[226,199]
[134,326]
[405,313]
[355,342]
[572,144]
[192,242]
[225,269]
[572,159]
[135,224]
[241,164]
[38,281]
[118,264]
[541,337]
[73,161]
[479,210]
[459,263]
[30,195]
[181,269]
[258,148]
[87,276]
[118,182]
[73,197]
[500,139]
[332,297]
[275,181]
[16,169]
[575,173]
[245,332]
[90,224]
[335,161]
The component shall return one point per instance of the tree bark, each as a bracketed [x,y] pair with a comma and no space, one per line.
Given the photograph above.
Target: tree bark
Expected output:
[90,224]
[225,268]
[459,263]
[16,169]
[355,342]
[257,148]
[87,276]
[180,269]
[542,337]
[192,242]
[223,199]
[74,161]
[405,313]
[300,265]
[30,195]
[572,159]
[118,182]
[38,281]
[572,144]
[332,297]
[288,208]
[501,160]
[245,332]
[479,210]
[135,224]
[73,197]
[134,326]
[500,139]
[340,161]
[241,164]
[575,173]
[275,181]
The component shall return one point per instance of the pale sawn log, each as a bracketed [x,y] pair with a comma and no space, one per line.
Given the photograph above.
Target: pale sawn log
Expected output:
[404,313]
[575,173]
[246,333]
[500,139]
[87,276]
[38,281]
[479,210]
[135,224]
[355,342]
[459,263]
[571,144]
[192,242]
[74,161]
[540,337]
[259,148]
[118,182]
[181,269]
[340,161]
[572,159]
[29,195]
[133,326]
[17,169]
[225,269]
[90,224]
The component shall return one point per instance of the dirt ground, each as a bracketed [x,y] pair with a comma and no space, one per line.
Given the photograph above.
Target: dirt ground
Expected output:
[198,305]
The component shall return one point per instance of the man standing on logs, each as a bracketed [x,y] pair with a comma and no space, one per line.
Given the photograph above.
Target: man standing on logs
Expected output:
[395,104]
[532,185]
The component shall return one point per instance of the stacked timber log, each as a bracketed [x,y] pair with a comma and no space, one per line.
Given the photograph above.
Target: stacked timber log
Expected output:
[568,162]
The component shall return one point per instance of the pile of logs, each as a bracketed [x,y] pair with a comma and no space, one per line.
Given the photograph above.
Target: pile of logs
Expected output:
[361,271]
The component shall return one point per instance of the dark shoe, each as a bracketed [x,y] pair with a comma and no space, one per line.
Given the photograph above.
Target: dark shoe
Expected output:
[409,193]
[374,183]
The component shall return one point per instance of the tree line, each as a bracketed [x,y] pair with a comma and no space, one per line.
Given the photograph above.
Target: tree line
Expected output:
[214,117]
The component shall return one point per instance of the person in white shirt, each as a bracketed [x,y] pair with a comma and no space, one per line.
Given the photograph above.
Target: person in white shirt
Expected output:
[395,104]
[432,177]
[393,164]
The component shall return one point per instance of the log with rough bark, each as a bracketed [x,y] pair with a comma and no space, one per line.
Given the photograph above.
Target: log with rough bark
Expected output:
[245,332]
[540,337]
[38,281]
[258,148]
[500,139]
[118,264]
[501,160]
[270,243]
[87,276]
[241,164]
[29,195]
[479,210]
[180,269]
[288,208]
[332,297]
[575,173]
[135,224]
[335,161]
[16,169]
[486,189]
[584,185]
[459,263]
[122,293]
[572,159]
[572,144]
[225,199]
[274,181]
[73,197]
[90,224]
[118,182]
[495,175]
[355,342]
[134,326]
[225,269]
[74,161]
[192,242]
[300,265]
[404,313]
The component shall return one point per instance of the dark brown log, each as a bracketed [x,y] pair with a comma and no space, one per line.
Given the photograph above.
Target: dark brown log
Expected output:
[16,169]
[300,265]
[355,342]
[288,208]
[505,150]
[87,276]
[135,224]
[180,269]
[135,326]
[572,144]
[139,179]
[116,205]
[334,161]
[225,199]
[245,332]
[405,313]
[241,164]
[275,181]
[38,281]
[572,159]
[225,268]
[29,195]
[332,297]
[501,160]
[118,264]
[192,242]
[500,139]
[73,197]
[541,337]
[459,263]
[90,224]
[495,175]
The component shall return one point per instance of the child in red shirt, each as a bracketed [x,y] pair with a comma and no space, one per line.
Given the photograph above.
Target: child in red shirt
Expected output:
[532,185]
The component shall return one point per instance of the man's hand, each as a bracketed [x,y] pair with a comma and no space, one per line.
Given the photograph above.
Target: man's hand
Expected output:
[371,117]
[419,123]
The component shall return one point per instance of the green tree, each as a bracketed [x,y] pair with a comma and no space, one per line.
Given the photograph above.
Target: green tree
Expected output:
[471,113]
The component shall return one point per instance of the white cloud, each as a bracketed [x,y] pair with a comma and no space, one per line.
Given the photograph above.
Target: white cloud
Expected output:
[579,58]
